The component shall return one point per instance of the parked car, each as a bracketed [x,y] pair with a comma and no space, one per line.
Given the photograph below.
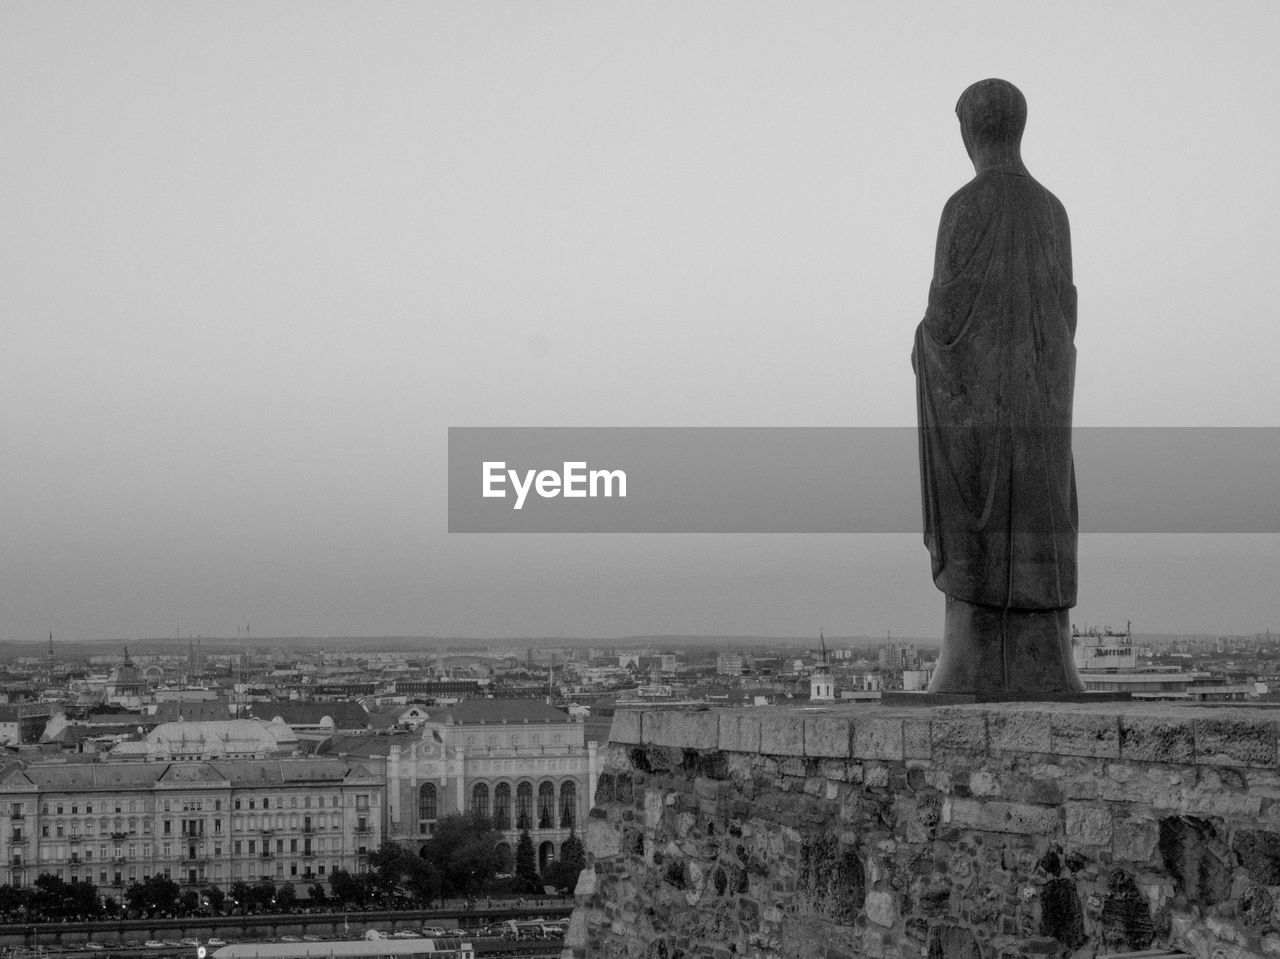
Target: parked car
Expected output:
[215,942]
[154,944]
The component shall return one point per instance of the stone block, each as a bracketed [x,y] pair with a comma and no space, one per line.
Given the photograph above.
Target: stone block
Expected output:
[1012,817]
[1085,734]
[625,727]
[952,729]
[681,729]
[603,839]
[739,732]
[882,909]
[1019,730]
[1245,741]
[1134,841]
[1157,739]
[917,742]
[826,737]
[781,732]
[1088,824]
[879,737]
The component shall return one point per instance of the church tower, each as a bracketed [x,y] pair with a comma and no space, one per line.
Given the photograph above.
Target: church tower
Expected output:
[822,686]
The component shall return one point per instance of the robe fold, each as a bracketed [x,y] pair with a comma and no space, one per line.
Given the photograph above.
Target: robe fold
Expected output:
[995,371]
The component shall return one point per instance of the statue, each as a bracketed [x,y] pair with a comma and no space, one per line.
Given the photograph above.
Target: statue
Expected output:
[995,370]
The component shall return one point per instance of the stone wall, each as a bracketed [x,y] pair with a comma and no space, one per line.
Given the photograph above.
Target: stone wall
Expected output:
[973,832]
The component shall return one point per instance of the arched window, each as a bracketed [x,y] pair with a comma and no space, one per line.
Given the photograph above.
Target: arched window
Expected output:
[480,799]
[524,806]
[427,801]
[568,804]
[502,806]
[546,805]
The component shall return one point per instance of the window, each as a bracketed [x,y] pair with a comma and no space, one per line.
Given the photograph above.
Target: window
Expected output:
[362,801]
[546,804]
[524,806]
[266,802]
[502,806]
[253,843]
[237,804]
[568,804]
[480,799]
[427,801]
[235,847]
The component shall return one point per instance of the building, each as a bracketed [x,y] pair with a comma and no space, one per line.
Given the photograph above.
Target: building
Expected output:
[315,721]
[522,762]
[212,739]
[199,823]
[822,685]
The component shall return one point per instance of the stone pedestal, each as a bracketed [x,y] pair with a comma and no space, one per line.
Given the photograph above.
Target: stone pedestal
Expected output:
[1009,654]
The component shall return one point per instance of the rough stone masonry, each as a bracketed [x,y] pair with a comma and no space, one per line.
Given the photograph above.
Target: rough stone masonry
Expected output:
[965,832]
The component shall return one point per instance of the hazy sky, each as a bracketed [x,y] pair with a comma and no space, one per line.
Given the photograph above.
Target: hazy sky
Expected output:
[258,257]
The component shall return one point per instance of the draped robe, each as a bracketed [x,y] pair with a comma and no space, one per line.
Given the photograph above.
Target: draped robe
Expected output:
[995,371]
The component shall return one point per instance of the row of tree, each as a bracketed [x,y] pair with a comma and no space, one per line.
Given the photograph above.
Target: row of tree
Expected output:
[461,860]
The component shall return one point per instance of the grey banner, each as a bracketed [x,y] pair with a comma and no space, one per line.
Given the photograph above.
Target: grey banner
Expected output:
[833,480]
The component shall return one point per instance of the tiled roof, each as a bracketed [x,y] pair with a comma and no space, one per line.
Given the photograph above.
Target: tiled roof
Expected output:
[345,715]
[474,711]
[367,745]
[97,777]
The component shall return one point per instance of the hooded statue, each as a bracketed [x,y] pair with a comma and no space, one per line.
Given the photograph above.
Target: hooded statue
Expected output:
[995,370]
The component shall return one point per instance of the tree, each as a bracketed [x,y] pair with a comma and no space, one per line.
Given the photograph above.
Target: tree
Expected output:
[189,902]
[83,901]
[14,902]
[286,897]
[386,869]
[155,894]
[240,896]
[463,852]
[262,893]
[564,872]
[346,888]
[215,898]
[527,863]
[50,899]
[316,893]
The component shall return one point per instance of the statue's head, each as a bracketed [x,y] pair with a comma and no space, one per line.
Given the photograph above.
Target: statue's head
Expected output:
[992,116]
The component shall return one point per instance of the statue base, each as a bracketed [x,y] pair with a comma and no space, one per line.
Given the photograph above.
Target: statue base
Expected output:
[1010,654]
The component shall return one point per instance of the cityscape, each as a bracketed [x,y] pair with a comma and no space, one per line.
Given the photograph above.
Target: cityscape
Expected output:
[218,764]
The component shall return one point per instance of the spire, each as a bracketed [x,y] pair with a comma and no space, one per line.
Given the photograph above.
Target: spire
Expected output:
[823,640]
[50,645]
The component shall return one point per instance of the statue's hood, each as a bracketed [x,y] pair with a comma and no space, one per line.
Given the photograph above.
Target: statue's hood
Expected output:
[992,113]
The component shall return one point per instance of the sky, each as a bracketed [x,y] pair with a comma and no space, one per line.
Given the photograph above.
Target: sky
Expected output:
[258,258]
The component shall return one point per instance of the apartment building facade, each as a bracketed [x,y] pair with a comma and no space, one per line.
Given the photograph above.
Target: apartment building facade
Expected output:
[199,823]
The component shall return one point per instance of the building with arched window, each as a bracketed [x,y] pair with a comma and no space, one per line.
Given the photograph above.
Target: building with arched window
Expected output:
[523,763]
